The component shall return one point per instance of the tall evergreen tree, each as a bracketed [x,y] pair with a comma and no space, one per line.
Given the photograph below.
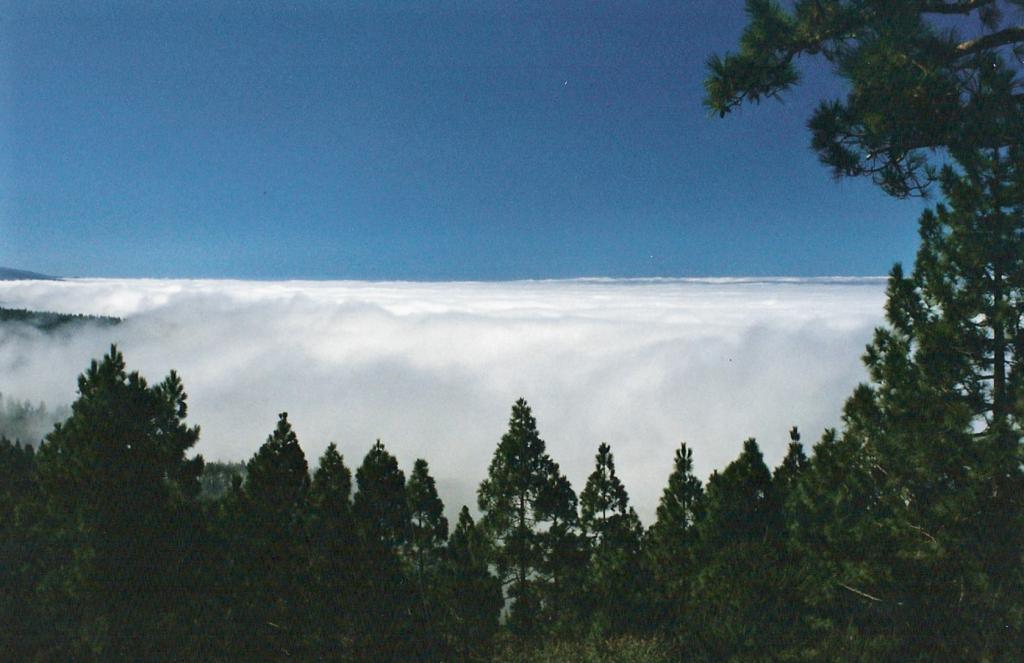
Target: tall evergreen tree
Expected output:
[741,592]
[614,533]
[787,475]
[562,578]
[471,596]
[386,629]
[938,431]
[670,546]
[270,551]
[428,534]
[528,515]
[336,558]
[381,507]
[120,495]
[429,531]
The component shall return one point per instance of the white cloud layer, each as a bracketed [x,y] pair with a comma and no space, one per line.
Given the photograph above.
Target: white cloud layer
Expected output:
[433,368]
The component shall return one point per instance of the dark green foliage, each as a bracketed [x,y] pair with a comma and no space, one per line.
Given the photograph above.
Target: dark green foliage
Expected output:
[787,475]
[914,84]
[22,554]
[428,534]
[614,533]
[269,555]
[381,508]
[470,597]
[670,548]
[335,552]
[908,526]
[331,492]
[623,649]
[119,495]
[529,515]
[931,477]
[47,321]
[429,527]
[741,593]
[385,629]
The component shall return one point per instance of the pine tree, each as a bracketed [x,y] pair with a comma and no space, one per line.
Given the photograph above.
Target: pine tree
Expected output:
[614,533]
[23,559]
[838,533]
[563,570]
[120,499]
[529,517]
[787,475]
[381,508]
[278,476]
[336,556]
[428,535]
[741,592]
[916,82]
[470,595]
[385,630]
[670,546]
[938,431]
[270,551]
[429,531]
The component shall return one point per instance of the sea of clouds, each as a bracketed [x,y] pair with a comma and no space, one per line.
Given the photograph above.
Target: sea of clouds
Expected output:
[432,369]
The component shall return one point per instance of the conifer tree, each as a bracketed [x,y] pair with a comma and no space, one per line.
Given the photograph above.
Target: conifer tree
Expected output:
[671,545]
[429,531]
[614,533]
[381,507]
[330,495]
[23,559]
[335,557]
[386,630]
[428,534]
[120,498]
[741,593]
[271,550]
[529,517]
[470,595]
[921,77]
[563,570]
[786,475]
[278,477]
[938,431]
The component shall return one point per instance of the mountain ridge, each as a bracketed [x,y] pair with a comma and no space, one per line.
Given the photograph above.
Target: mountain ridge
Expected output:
[11,274]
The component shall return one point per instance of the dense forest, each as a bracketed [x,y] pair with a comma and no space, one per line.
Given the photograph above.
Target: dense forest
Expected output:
[48,321]
[897,537]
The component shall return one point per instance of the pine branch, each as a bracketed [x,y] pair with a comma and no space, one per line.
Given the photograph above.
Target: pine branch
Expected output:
[962,7]
[994,40]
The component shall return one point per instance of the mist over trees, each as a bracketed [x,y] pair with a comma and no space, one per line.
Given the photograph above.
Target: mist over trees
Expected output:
[898,537]
[24,422]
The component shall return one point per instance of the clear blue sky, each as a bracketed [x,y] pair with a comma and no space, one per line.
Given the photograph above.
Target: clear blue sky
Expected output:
[451,140]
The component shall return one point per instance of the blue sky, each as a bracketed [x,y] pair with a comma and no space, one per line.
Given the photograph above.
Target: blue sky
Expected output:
[420,141]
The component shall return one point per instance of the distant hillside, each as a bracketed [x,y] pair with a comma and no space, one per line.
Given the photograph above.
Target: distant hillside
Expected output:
[48,321]
[8,274]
